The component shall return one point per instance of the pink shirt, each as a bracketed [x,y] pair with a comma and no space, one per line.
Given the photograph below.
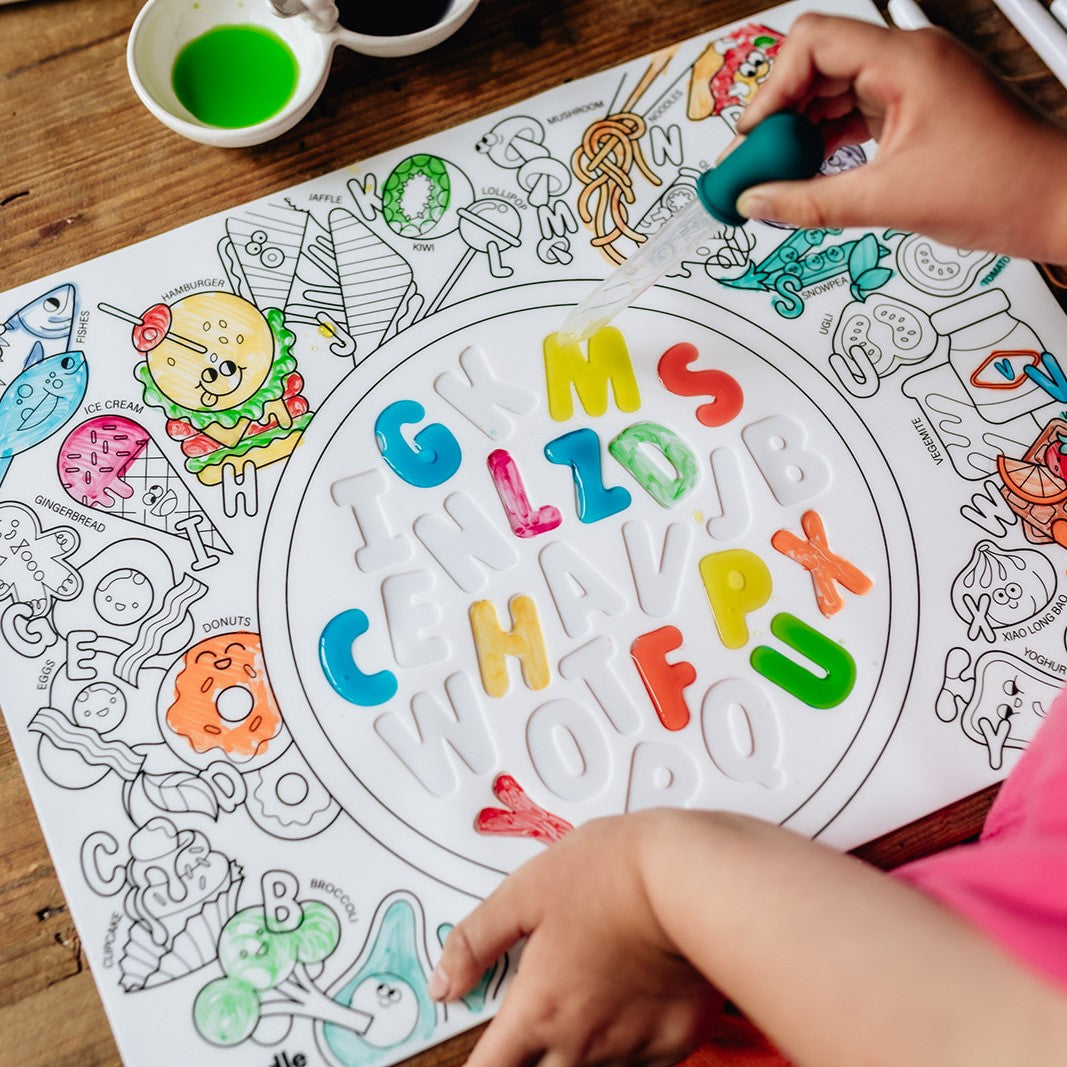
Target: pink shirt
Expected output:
[1013,882]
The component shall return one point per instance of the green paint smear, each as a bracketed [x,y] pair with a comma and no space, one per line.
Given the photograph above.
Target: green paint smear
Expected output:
[235,76]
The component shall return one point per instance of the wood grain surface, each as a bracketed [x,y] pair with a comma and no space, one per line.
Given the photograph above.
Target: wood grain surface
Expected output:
[84,169]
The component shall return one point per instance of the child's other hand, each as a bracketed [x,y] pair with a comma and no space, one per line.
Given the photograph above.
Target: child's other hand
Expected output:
[598,980]
[960,158]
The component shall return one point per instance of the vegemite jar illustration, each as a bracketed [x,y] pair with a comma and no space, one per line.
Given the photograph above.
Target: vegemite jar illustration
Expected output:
[990,349]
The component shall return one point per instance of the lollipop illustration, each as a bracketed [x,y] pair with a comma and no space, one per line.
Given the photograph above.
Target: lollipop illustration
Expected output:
[489,226]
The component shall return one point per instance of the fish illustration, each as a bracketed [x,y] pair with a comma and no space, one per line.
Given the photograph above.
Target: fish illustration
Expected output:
[41,328]
[39,401]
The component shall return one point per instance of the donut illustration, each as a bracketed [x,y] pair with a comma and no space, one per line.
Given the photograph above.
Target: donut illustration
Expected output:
[222,699]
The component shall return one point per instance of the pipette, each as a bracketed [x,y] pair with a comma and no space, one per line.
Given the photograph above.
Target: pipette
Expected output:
[784,146]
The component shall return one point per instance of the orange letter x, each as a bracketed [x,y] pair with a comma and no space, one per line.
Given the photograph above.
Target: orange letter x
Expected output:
[826,568]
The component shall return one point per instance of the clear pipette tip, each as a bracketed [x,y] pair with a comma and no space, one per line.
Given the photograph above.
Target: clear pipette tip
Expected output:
[659,255]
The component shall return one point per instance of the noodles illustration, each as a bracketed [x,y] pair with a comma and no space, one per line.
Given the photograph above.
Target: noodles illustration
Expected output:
[608,153]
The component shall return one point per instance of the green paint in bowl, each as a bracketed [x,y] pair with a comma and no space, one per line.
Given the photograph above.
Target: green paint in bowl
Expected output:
[234,76]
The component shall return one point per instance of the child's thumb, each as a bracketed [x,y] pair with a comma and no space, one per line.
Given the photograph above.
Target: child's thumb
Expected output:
[816,204]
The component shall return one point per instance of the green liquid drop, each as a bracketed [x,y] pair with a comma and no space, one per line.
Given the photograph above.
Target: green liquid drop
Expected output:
[235,76]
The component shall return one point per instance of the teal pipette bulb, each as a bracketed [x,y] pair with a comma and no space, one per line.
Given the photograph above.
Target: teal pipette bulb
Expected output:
[783,147]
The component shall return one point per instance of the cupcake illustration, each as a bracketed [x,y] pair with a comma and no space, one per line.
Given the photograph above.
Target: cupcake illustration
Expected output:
[180,893]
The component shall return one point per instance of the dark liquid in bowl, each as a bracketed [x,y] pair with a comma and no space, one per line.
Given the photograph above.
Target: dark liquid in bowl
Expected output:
[392,18]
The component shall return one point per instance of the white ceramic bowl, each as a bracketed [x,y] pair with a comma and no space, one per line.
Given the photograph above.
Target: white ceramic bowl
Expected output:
[164,27]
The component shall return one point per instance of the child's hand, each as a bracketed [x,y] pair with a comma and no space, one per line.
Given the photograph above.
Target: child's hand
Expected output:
[960,158]
[835,962]
[598,980]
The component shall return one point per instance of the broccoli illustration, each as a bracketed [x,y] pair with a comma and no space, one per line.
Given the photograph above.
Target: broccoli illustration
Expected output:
[266,974]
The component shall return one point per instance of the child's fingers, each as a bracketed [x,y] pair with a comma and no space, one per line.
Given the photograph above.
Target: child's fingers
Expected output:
[473,944]
[838,201]
[507,1042]
[527,1031]
[831,108]
[850,128]
[827,88]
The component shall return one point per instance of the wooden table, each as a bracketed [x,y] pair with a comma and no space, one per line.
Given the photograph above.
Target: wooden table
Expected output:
[84,169]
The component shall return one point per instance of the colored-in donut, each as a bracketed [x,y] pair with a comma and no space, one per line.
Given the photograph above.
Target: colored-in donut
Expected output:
[222,698]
